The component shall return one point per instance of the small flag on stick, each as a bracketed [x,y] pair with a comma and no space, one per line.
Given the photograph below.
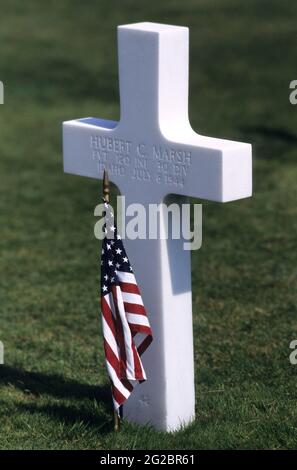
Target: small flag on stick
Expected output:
[126,329]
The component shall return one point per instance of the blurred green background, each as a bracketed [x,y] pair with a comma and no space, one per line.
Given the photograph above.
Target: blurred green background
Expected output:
[58,61]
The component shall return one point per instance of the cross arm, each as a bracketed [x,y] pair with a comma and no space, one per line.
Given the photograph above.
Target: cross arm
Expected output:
[190,164]
[84,146]
[213,169]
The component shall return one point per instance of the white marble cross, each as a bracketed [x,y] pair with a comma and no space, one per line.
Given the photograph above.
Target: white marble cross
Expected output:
[150,153]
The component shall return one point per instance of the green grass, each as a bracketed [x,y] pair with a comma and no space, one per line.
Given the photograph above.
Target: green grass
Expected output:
[58,61]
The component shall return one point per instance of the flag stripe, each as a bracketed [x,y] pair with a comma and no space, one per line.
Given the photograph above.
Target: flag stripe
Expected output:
[120,334]
[137,365]
[129,287]
[112,358]
[134,308]
[126,277]
[145,344]
[140,329]
[110,303]
[110,338]
[118,397]
[108,315]
[137,319]
[127,338]
[116,381]
[132,298]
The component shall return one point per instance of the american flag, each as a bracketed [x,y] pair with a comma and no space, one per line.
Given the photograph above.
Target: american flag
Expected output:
[126,329]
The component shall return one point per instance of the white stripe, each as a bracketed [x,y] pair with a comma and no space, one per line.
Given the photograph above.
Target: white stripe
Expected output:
[116,381]
[137,319]
[126,277]
[108,335]
[132,298]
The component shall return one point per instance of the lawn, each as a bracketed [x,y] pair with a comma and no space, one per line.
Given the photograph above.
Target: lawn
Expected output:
[58,61]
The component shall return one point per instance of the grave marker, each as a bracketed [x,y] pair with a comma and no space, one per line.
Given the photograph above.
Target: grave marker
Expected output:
[150,153]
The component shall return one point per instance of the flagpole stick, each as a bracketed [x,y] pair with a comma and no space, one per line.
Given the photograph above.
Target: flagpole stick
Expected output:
[116,421]
[106,194]
[106,190]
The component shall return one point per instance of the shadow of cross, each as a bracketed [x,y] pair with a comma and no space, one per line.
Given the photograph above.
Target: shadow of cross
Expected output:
[150,153]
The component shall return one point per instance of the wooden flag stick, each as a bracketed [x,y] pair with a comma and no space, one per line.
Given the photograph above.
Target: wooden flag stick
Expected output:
[106,190]
[116,421]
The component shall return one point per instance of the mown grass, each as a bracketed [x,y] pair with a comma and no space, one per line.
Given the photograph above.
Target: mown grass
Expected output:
[58,61]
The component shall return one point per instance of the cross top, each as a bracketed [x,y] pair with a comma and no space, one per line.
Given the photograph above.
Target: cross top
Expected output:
[153,147]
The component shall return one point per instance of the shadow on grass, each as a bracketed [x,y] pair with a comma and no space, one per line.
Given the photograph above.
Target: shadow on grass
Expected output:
[39,384]
[71,415]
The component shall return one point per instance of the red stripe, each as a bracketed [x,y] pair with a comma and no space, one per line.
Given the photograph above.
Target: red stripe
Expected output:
[134,308]
[113,361]
[145,330]
[130,288]
[111,358]
[127,384]
[137,365]
[119,398]
[108,316]
[145,344]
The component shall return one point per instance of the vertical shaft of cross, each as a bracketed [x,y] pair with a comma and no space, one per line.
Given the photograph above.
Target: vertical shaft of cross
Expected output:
[153,70]
[163,271]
